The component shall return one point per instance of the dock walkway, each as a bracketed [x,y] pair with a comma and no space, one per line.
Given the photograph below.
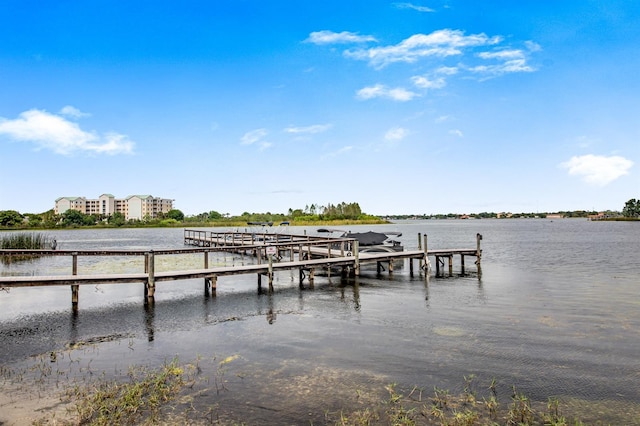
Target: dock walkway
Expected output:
[273,253]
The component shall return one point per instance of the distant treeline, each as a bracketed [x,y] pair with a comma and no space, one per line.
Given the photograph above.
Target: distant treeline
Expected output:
[314,213]
[489,215]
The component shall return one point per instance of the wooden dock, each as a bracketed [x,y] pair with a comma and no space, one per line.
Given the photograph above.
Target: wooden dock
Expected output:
[272,253]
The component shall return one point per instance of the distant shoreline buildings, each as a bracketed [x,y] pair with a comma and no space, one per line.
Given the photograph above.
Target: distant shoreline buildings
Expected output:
[132,207]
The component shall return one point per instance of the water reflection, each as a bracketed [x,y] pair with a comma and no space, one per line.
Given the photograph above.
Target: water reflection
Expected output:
[149,317]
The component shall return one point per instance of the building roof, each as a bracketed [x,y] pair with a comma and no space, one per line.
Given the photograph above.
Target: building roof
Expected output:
[69,198]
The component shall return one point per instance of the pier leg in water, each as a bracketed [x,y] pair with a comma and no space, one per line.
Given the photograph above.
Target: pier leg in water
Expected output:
[74,287]
[478,253]
[207,286]
[151,280]
[270,274]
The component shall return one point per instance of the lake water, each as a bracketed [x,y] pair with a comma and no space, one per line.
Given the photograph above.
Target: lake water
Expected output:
[556,312]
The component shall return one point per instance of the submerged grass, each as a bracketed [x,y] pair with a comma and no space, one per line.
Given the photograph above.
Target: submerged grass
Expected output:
[134,402]
[157,397]
[195,393]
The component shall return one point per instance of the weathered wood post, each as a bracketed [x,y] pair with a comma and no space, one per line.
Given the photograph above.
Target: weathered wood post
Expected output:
[427,266]
[312,274]
[356,253]
[207,281]
[270,275]
[420,246]
[74,287]
[214,284]
[151,279]
[478,253]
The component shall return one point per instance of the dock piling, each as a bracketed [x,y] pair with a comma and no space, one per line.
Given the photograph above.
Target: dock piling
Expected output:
[151,280]
[75,289]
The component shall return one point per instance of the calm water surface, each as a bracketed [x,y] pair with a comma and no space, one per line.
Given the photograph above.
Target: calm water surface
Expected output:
[556,312]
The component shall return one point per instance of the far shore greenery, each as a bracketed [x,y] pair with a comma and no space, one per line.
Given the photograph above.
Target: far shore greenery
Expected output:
[337,215]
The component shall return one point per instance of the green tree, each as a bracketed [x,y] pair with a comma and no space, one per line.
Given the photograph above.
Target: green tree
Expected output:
[117,219]
[10,218]
[175,214]
[631,208]
[73,218]
[214,215]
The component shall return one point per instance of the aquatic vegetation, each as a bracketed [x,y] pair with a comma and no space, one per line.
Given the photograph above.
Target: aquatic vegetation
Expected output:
[24,241]
[141,398]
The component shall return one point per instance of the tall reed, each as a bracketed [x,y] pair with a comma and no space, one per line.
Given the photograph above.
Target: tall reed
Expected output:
[24,241]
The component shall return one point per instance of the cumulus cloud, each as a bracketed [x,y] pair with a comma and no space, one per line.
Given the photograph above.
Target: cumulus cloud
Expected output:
[55,133]
[73,112]
[316,128]
[330,37]
[396,134]
[507,61]
[425,82]
[598,170]
[381,91]
[456,132]
[253,136]
[440,43]
[413,7]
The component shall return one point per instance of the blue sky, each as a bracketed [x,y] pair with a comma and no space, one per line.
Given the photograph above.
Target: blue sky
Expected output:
[261,106]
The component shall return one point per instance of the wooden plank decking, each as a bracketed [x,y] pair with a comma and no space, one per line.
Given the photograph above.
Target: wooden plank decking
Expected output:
[290,252]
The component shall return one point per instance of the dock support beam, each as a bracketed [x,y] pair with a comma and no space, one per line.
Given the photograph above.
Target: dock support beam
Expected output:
[270,273]
[478,253]
[210,285]
[356,253]
[150,288]
[74,287]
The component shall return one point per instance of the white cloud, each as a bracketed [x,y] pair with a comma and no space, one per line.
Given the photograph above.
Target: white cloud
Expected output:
[53,132]
[396,134]
[532,46]
[597,169]
[456,132]
[502,54]
[441,43]
[73,112]
[447,70]
[509,61]
[330,37]
[413,6]
[424,82]
[253,136]
[381,91]
[516,65]
[316,128]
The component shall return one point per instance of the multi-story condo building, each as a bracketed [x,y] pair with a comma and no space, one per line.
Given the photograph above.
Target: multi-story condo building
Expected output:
[132,207]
